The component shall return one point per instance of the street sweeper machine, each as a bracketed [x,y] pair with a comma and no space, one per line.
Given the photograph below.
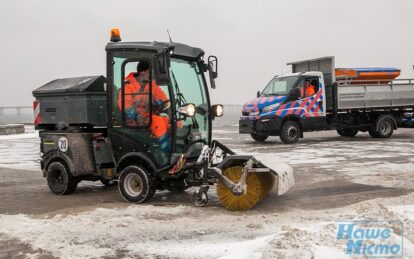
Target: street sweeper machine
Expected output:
[148,127]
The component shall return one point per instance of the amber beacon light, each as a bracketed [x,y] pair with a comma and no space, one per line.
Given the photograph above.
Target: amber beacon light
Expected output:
[115,35]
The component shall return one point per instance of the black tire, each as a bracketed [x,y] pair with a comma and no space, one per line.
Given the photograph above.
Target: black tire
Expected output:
[385,128]
[373,134]
[290,132]
[107,182]
[259,137]
[136,184]
[60,180]
[347,132]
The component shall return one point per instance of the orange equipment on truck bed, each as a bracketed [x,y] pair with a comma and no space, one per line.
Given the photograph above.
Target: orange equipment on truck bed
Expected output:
[370,73]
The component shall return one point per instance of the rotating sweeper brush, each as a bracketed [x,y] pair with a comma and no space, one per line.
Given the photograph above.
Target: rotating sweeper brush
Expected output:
[257,187]
[242,180]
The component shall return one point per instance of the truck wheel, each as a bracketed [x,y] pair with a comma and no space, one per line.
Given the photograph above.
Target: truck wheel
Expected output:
[290,132]
[385,128]
[259,137]
[347,132]
[136,184]
[60,180]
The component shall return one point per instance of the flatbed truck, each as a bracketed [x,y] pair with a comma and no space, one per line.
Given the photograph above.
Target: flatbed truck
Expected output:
[348,105]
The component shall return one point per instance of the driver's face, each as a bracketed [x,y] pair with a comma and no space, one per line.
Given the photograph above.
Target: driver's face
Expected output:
[144,74]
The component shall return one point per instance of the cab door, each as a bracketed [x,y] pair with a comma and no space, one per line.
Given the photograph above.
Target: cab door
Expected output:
[313,111]
[315,103]
[133,110]
[189,87]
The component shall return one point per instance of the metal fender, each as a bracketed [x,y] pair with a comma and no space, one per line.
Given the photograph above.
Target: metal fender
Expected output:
[283,171]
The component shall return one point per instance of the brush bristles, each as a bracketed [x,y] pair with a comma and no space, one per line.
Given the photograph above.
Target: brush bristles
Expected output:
[258,186]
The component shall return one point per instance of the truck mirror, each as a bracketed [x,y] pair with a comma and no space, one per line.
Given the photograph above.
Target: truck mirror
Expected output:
[162,75]
[212,70]
[258,94]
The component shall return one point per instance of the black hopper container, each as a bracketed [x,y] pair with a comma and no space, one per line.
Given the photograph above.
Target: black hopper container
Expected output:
[77,101]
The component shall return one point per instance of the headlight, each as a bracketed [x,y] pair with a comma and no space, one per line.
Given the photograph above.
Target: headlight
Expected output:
[270,107]
[217,110]
[254,113]
[187,110]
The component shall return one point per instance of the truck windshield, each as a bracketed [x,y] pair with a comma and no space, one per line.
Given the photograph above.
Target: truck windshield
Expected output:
[280,86]
[188,86]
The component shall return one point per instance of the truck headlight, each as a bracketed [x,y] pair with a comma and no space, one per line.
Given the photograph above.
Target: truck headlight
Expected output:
[217,110]
[270,107]
[187,110]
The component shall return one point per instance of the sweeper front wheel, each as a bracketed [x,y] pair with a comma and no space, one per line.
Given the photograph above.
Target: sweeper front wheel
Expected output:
[136,184]
[258,185]
[200,197]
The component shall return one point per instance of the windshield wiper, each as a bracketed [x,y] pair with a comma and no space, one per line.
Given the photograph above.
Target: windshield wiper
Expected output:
[182,100]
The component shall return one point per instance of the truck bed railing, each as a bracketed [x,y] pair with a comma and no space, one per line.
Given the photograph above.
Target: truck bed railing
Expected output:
[345,82]
[370,94]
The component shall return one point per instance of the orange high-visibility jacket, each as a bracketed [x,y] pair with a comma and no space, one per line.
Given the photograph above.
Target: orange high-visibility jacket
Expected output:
[136,97]
[309,90]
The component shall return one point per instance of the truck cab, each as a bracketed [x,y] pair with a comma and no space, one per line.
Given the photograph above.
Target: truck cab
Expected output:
[287,106]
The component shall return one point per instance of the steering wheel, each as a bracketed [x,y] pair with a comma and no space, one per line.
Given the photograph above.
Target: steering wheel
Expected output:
[158,107]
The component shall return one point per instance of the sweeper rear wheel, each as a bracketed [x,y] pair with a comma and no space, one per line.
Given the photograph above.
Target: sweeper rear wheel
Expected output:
[258,185]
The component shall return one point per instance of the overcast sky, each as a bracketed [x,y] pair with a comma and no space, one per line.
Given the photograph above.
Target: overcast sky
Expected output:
[48,39]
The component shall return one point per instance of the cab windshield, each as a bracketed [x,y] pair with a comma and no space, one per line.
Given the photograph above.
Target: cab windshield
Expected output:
[280,86]
[188,86]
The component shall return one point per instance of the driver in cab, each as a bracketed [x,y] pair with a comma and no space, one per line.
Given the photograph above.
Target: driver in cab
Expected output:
[308,90]
[136,98]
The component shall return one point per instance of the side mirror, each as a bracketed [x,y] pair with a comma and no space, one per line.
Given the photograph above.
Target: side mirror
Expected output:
[212,70]
[258,94]
[217,110]
[187,110]
[161,64]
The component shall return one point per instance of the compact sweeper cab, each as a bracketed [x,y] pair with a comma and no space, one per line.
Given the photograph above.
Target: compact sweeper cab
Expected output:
[147,134]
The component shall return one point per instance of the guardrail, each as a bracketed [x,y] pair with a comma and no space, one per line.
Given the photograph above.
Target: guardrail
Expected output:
[17,108]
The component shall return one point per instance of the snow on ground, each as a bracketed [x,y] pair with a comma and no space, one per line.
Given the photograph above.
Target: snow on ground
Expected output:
[188,232]
[20,151]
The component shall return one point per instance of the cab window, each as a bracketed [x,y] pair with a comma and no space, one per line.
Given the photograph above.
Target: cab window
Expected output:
[134,96]
[308,86]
